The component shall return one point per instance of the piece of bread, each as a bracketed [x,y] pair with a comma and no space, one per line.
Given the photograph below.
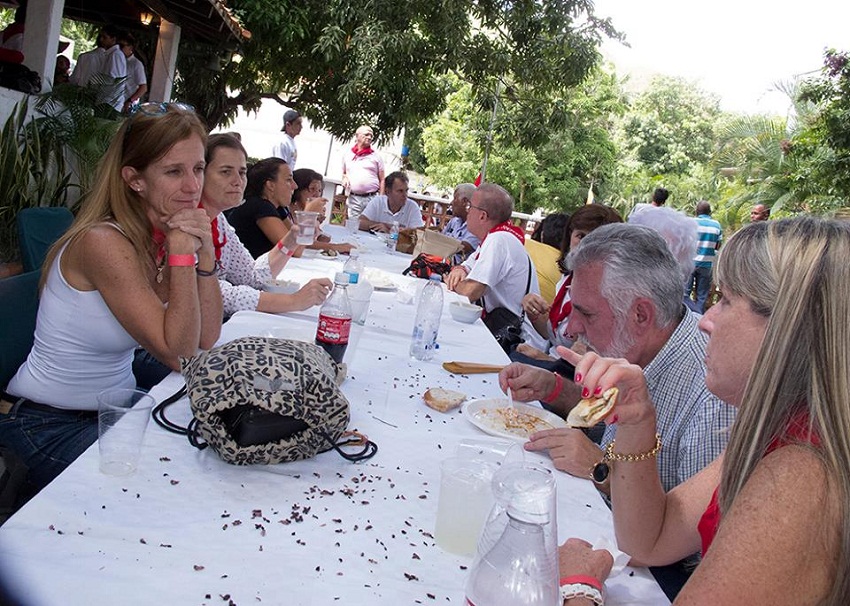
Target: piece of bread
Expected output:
[443,399]
[589,411]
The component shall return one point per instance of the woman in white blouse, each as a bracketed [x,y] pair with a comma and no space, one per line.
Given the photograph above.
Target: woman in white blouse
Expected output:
[241,277]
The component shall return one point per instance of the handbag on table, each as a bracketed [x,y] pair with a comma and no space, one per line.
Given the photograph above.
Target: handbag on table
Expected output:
[265,400]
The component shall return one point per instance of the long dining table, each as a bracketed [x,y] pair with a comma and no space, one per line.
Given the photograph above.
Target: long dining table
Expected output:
[187,528]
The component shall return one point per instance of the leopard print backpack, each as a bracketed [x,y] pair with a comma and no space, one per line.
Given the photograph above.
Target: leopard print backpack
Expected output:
[265,400]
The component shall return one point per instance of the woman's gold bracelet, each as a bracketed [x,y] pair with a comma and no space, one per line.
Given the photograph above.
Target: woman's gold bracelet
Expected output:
[632,458]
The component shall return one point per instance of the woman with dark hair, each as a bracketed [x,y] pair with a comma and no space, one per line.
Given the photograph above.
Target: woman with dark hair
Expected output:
[308,196]
[550,321]
[264,218]
[137,267]
[242,278]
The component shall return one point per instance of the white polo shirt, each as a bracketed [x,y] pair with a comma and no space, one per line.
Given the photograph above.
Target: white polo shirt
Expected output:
[409,216]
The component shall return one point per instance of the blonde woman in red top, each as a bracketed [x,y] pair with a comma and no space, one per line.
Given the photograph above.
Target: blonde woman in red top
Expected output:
[771,513]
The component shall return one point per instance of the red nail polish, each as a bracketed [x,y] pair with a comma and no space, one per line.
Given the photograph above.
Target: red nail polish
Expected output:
[585,392]
[578,377]
[597,391]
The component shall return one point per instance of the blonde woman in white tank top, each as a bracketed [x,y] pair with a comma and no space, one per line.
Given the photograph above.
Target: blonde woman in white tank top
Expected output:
[137,267]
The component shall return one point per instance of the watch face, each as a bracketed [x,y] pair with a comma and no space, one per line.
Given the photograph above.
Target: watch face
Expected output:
[600,472]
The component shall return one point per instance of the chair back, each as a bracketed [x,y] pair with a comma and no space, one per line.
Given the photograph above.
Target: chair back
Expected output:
[18,310]
[38,229]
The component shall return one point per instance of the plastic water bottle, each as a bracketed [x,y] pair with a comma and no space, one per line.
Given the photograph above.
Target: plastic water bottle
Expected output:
[335,320]
[392,239]
[427,324]
[517,571]
[353,267]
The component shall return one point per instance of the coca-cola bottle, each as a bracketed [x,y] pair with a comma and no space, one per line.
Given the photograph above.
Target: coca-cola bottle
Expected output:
[335,320]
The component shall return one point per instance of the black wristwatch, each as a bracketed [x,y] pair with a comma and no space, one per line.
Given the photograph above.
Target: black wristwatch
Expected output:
[599,472]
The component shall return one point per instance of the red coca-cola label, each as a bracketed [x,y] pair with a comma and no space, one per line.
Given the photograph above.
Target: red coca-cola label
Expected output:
[333,330]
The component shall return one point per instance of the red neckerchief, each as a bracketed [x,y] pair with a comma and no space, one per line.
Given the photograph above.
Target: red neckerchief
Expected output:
[359,153]
[559,309]
[159,240]
[508,227]
[219,239]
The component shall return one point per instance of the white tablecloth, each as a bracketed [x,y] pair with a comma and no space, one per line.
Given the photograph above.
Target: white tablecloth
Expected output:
[187,528]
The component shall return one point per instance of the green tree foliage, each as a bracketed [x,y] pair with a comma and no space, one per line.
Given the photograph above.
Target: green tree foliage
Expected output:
[670,127]
[345,62]
[822,149]
[554,174]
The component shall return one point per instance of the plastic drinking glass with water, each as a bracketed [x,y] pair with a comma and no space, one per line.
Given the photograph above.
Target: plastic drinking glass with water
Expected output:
[122,416]
[465,499]
[306,221]
[352,224]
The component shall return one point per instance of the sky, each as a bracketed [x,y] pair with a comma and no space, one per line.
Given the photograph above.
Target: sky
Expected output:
[737,49]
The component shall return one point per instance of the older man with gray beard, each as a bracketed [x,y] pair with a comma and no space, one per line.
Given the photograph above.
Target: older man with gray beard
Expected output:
[627,303]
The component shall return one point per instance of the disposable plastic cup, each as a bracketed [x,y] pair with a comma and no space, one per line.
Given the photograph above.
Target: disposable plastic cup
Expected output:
[306,221]
[492,451]
[352,225]
[359,309]
[122,416]
[465,500]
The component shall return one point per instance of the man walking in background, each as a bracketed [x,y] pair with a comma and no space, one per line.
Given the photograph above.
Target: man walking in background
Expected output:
[710,235]
[286,150]
[362,172]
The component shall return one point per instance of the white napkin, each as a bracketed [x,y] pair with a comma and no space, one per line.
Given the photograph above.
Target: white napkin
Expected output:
[621,559]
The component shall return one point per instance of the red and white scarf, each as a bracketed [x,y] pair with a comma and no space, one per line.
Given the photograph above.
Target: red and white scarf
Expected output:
[508,227]
[561,310]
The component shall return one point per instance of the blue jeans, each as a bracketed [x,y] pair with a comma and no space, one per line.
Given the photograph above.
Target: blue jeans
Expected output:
[701,280]
[46,441]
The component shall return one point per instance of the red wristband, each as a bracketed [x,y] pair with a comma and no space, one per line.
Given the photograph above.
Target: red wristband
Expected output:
[559,385]
[286,252]
[583,579]
[181,260]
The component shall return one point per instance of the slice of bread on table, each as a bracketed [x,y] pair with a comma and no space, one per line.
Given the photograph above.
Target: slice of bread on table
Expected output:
[443,399]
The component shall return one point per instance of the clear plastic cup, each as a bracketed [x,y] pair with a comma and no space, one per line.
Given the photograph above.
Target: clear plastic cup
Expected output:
[465,499]
[306,221]
[122,416]
[352,224]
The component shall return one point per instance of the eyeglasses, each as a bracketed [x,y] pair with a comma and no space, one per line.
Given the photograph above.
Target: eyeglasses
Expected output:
[152,109]
[471,205]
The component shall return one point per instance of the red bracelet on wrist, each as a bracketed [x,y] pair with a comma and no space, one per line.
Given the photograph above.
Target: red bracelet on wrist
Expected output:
[559,385]
[181,260]
[582,579]
[286,252]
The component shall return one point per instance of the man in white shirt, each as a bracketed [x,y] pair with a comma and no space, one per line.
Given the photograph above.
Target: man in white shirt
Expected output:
[382,211]
[114,67]
[498,272]
[136,84]
[286,149]
[88,64]
[109,63]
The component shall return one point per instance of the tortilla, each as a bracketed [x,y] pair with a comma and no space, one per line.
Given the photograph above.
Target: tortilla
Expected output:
[590,411]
